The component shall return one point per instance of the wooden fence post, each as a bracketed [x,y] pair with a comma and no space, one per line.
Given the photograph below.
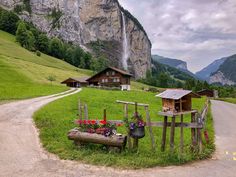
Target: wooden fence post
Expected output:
[85,112]
[135,140]
[172,134]
[181,134]
[150,128]
[163,142]
[193,134]
[128,130]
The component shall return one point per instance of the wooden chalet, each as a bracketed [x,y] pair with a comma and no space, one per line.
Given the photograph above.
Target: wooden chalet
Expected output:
[111,77]
[176,100]
[206,92]
[76,82]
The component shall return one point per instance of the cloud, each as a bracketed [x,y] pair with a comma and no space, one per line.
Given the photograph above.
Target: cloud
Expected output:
[197,31]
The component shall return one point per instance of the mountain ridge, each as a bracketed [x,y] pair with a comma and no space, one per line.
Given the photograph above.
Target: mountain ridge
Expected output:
[175,63]
[206,72]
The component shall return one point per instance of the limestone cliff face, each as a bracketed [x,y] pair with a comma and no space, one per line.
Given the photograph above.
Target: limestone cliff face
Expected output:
[86,22]
[219,77]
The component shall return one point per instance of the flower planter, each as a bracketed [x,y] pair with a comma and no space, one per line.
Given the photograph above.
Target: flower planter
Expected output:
[137,132]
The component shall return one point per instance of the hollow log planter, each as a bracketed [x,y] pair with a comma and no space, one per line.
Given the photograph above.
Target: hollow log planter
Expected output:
[81,138]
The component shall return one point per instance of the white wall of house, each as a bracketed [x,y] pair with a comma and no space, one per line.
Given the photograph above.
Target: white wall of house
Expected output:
[125,87]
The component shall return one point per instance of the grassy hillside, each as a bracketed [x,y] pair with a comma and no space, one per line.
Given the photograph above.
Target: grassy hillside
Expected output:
[23,74]
[55,119]
[230,100]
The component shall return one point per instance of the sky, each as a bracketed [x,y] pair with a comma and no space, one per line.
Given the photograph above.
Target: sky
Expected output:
[196,31]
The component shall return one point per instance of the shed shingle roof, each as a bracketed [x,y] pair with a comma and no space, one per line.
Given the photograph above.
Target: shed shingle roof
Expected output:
[176,94]
[81,79]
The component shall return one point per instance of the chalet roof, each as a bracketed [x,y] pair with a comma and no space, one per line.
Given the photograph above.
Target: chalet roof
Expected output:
[112,68]
[80,79]
[176,94]
[203,90]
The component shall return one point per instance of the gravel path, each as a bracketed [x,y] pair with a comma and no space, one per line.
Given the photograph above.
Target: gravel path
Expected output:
[21,154]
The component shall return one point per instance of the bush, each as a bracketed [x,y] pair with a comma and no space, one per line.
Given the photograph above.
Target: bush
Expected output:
[8,21]
[21,34]
[38,53]
[25,37]
[56,48]
[18,9]
[43,43]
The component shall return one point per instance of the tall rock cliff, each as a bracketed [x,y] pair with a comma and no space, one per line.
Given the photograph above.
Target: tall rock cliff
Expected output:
[101,26]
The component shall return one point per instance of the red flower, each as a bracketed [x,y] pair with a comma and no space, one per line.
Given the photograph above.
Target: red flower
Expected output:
[89,121]
[85,121]
[78,121]
[93,122]
[103,122]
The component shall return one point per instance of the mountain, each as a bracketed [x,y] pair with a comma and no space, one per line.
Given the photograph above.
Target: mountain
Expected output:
[175,63]
[175,73]
[226,73]
[102,27]
[206,72]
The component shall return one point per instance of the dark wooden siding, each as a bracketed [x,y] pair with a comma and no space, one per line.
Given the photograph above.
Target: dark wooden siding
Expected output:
[110,78]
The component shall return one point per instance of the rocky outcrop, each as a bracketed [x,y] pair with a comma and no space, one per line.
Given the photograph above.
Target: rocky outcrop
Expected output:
[219,77]
[86,22]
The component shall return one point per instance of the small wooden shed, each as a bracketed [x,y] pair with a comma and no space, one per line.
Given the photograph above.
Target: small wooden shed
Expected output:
[206,92]
[76,82]
[176,100]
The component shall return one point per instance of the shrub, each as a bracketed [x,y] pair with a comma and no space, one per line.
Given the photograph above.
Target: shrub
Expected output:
[43,43]
[21,34]
[38,53]
[55,15]
[18,9]
[56,48]
[25,37]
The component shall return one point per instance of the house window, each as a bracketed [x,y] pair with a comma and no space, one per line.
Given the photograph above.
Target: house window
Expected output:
[107,73]
[106,80]
[113,73]
[116,80]
[103,80]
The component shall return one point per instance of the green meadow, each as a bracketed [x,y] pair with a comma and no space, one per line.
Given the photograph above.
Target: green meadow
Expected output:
[57,118]
[23,74]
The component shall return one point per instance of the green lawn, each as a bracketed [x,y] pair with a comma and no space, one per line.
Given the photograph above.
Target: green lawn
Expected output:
[55,119]
[230,100]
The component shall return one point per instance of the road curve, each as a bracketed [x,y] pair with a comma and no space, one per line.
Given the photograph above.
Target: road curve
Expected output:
[21,153]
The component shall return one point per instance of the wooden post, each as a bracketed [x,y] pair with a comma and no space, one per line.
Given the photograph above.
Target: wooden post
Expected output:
[79,111]
[199,132]
[85,112]
[128,131]
[150,128]
[163,142]
[105,115]
[181,134]
[193,131]
[135,141]
[172,134]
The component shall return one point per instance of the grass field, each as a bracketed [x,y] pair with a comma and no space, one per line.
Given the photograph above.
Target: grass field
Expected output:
[230,100]
[24,75]
[55,119]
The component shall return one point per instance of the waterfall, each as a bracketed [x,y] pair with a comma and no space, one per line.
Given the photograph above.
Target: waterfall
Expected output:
[125,46]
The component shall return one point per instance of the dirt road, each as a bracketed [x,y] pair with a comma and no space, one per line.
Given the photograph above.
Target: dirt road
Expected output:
[21,154]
